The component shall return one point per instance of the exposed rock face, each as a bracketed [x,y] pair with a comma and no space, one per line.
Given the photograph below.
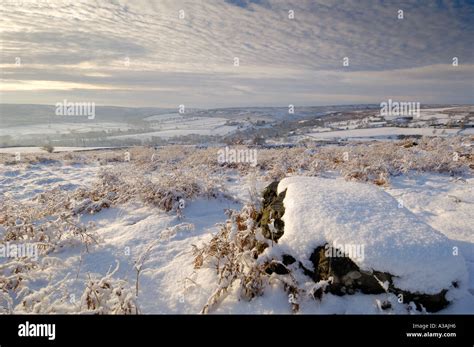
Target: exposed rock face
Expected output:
[346,275]
[272,211]
[347,278]
[343,276]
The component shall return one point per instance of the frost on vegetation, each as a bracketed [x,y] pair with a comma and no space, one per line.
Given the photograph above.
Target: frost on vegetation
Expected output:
[108,295]
[52,222]
[248,258]
[165,178]
[29,224]
[234,254]
[165,190]
[372,162]
[22,222]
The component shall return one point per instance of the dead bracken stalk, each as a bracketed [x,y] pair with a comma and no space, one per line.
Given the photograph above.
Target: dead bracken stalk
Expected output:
[168,179]
[140,262]
[233,253]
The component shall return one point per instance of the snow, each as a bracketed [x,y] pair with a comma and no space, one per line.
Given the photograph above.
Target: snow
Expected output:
[445,203]
[24,150]
[320,210]
[386,132]
[368,214]
[163,284]
[191,130]
[166,283]
[321,129]
[162,125]
[24,184]
[58,127]
[169,125]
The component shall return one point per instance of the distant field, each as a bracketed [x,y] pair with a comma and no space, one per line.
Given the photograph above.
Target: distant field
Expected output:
[387,132]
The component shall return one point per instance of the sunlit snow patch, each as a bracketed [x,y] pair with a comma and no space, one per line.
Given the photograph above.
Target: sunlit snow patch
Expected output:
[321,211]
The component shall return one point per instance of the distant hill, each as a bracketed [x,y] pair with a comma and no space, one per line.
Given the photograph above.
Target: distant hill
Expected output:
[28,114]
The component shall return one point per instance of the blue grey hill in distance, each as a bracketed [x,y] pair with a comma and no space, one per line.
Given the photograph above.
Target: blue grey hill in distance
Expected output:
[34,125]
[235,67]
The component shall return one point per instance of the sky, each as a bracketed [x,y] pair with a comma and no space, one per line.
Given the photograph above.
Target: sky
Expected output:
[235,53]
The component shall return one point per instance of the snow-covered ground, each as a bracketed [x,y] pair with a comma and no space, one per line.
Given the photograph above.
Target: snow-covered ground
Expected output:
[24,150]
[24,184]
[160,125]
[248,123]
[385,132]
[436,214]
[446,204]
[175,124]
[393,239]
[57,127]
[445,121]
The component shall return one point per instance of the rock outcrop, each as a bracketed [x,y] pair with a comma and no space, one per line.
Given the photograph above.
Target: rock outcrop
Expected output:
[341,274]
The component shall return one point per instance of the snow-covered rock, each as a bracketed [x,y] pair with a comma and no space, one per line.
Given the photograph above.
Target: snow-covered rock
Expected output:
[385,236]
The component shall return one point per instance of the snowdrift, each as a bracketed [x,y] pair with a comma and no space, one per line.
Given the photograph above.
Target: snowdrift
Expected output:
[388,238]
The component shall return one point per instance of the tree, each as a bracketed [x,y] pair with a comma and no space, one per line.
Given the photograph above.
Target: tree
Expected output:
[48,148]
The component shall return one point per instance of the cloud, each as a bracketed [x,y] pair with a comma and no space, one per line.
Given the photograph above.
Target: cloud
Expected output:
[247,3]
[145,49]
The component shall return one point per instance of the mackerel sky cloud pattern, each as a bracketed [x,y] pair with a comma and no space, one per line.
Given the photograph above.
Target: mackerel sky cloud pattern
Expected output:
[141,53]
